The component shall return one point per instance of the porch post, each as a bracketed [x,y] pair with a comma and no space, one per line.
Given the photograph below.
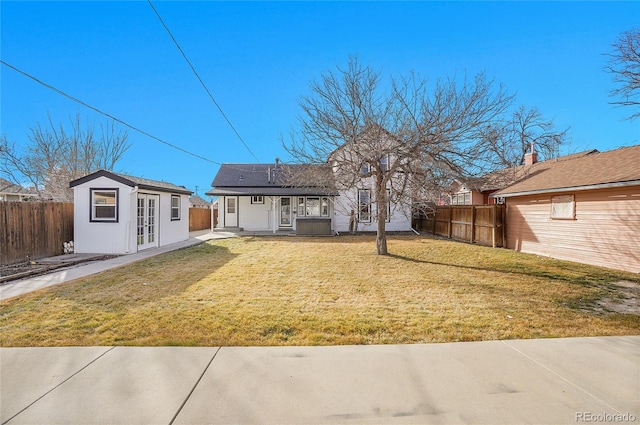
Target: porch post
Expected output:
[275,218]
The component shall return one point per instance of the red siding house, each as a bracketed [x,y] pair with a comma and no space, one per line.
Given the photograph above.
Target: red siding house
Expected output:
[585,208]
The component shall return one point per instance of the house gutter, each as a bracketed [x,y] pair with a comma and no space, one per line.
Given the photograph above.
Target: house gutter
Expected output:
[567,189]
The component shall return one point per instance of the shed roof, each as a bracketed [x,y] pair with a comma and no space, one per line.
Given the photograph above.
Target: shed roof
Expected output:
[619,167]
[133,181]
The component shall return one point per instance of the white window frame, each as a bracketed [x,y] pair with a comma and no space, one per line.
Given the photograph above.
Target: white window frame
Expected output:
[257,199]
[93,216]
[176,211]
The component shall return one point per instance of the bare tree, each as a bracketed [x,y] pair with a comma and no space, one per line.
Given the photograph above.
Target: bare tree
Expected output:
[400,138]
[55,155]
[504,143]
[624,65]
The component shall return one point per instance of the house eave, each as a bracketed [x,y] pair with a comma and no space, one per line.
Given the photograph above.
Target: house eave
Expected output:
[269,191]
[566,189]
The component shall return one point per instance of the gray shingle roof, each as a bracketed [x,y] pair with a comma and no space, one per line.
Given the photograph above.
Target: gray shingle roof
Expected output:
[260,179]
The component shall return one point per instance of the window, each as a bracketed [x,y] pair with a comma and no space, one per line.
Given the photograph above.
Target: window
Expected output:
[301,206]
[364,205]
[257,199]
[175,207]
[384,162]
[563,207]
[461,199]
[231,205]
[104,205]
[364,169]
[313,207]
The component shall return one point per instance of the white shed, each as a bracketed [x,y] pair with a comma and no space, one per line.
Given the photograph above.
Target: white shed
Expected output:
[119,214]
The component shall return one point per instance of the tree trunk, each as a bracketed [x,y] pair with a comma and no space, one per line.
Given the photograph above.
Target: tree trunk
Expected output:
[381,239]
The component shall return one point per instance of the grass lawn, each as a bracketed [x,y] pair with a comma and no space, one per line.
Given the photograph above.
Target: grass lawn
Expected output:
[321,291]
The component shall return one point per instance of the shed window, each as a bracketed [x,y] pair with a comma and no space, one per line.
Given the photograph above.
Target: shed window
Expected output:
[257,199]
[104,205]
[175,207]
[563,207]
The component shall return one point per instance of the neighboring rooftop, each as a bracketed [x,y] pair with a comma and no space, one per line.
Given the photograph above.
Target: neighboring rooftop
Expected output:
[9,190]
[196,200]
[619,167]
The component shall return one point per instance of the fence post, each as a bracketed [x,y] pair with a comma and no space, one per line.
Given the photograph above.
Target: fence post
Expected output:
[494,211]
[473,223]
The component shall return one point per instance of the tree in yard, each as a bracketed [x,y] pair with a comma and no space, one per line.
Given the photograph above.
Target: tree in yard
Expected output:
[504,143]
[402,138]
[55,155]
[624,65]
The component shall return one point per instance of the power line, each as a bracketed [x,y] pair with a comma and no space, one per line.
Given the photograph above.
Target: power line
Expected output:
[86,105]
[200,79]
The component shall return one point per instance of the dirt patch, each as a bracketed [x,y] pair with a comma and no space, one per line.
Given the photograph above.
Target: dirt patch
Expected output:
[624,298]
[39,267]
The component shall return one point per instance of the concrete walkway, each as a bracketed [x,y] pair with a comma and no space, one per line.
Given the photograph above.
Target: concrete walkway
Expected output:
[552,381]
[19,287]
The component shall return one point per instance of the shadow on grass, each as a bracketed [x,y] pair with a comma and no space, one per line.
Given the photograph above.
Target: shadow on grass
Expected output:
[143,282]
[558,270]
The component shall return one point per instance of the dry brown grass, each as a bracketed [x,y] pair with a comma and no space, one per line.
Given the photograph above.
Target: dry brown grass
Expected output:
[305,291]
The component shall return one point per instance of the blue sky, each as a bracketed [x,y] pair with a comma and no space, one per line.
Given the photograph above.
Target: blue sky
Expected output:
[258,58]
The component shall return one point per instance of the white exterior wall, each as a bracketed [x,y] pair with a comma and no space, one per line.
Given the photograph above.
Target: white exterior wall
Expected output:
[120,237]
[400,220]
[171,231]
[103,238]
[261,217]
[255,217]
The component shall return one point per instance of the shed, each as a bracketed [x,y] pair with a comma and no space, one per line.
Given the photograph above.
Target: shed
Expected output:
[120,214]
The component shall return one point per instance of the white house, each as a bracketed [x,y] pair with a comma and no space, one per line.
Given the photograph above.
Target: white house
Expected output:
[119,214]
[259,197]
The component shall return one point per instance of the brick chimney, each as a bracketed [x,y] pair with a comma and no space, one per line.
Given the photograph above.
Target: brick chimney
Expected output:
[531,158]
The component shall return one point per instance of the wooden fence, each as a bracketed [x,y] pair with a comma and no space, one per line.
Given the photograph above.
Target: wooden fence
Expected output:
[200,219]
[31,230]
[481,224]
